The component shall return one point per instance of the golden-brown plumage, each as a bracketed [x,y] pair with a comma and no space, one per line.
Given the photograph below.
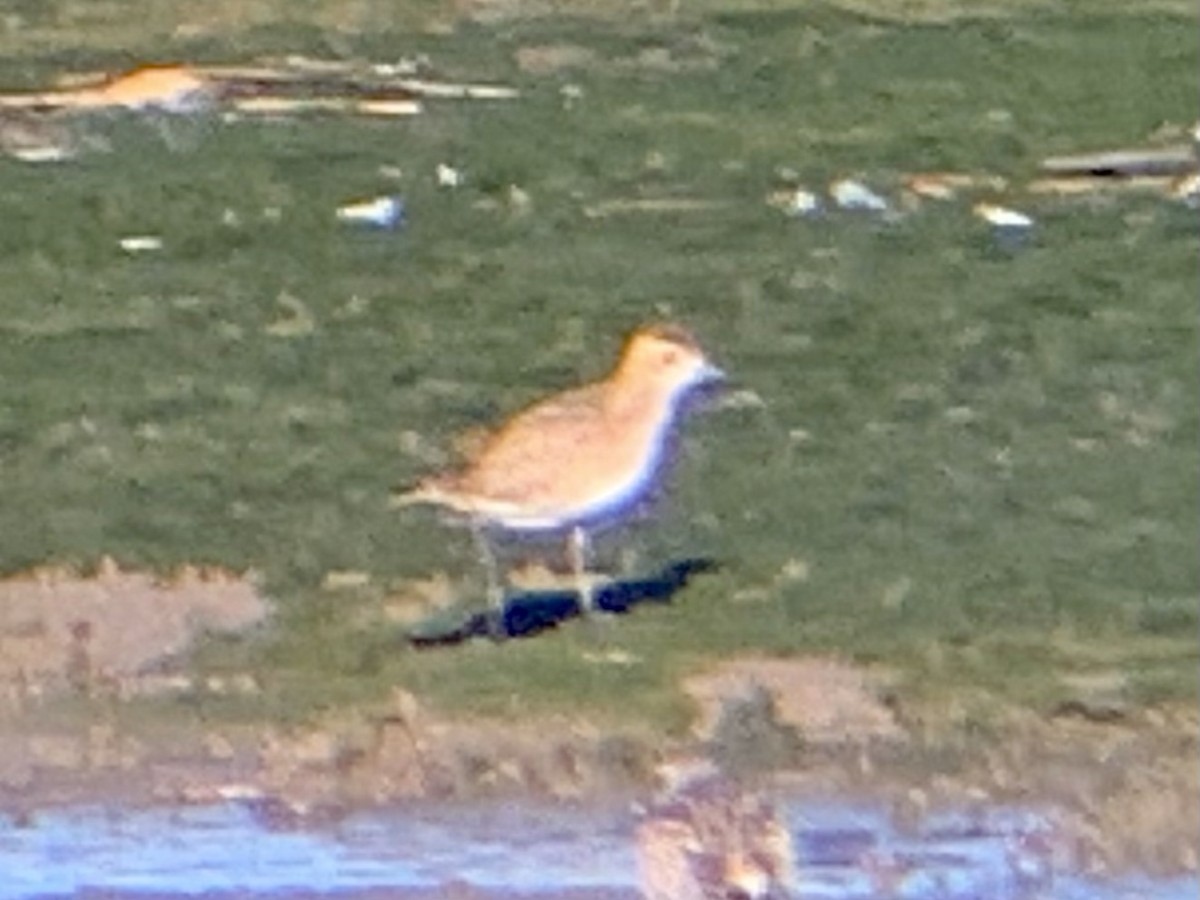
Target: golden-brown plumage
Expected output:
[582,454]
[551,462]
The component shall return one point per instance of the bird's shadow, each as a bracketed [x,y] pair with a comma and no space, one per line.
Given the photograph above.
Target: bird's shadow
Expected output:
[531,612]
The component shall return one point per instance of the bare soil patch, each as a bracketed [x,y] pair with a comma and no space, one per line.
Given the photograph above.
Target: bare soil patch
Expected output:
[62,631]
[825,699]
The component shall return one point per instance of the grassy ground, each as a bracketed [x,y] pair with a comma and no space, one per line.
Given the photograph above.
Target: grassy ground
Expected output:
[974,465]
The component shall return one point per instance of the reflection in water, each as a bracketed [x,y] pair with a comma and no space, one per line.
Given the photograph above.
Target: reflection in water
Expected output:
[844,853]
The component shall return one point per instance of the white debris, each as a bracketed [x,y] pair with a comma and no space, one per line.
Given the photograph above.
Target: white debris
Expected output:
[380,212]
[448,176]
[239,791]
[47,153]
[571,95]
[743,399]
[1002,216]
[1187,189]
[402,68]
[797,202]
[141,243]
[519,200]
[854,195]
[35,139]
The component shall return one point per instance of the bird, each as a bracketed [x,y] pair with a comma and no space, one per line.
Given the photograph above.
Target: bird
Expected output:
[578,459]
[705,837]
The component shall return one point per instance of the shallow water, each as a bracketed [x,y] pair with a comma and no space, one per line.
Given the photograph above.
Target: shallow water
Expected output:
[845,852]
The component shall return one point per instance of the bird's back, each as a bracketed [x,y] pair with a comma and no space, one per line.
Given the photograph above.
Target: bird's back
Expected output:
[561,457]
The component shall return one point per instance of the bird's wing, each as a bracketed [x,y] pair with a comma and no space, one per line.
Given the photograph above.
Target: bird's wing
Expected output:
[518,458]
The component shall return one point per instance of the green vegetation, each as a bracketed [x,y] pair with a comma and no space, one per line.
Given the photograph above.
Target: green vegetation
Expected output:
[975,465]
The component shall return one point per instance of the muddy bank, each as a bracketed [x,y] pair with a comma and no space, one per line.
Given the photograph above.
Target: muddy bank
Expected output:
[1122,795]
[462,892]
[80,679]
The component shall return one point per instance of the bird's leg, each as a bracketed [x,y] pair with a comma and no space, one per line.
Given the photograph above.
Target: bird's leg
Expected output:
[495,589]
[578,549]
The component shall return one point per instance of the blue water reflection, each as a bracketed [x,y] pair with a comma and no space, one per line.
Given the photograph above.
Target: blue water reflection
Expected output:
[846,853]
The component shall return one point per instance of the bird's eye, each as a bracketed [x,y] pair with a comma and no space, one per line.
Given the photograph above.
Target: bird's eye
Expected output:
[670,357]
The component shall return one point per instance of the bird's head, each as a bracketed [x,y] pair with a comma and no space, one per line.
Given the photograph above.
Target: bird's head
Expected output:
[667,359]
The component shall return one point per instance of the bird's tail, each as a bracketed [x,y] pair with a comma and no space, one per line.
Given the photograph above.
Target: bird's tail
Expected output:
[416,494]
[437,490]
